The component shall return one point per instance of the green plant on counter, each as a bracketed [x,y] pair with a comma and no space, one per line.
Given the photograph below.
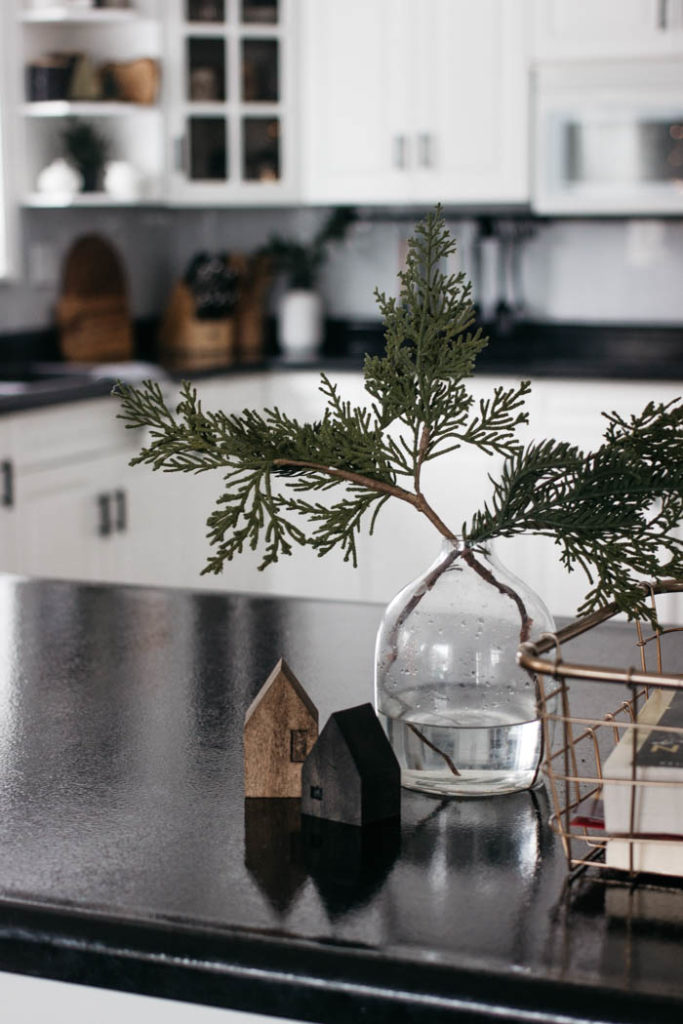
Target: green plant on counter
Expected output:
[612,511]
[301,263]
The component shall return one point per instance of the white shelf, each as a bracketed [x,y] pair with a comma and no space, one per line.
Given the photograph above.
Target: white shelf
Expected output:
[84,200]
[67,108]
[83,16]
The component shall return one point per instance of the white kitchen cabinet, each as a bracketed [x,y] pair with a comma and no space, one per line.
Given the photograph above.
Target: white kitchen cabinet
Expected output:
[231,102]
[408,102]
[65,499]
[472,140]
[133,131]
[67,521]
[566,29]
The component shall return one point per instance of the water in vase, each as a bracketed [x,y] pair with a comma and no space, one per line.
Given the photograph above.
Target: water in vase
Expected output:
[461,752]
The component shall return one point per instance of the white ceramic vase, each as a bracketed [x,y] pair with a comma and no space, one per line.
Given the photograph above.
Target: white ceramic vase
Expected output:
[300,324]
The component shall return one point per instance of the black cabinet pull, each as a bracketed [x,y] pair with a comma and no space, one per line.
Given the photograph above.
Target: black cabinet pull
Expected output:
[663,15]
[121,517]
[104,526]
[7,469]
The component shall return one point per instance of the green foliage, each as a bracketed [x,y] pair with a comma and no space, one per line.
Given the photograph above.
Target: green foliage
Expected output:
[612,512]
[301,263]
[430,351]
[86,146]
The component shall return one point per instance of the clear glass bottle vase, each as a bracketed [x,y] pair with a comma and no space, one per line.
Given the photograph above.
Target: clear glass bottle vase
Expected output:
[460,713]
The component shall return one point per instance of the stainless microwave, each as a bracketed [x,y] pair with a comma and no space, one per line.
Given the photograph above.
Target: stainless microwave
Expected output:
[608,138]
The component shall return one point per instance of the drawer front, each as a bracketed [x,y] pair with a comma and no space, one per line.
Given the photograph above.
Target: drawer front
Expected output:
[64,433]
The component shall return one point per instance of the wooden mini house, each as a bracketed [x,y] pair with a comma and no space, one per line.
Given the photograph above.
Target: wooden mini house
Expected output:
[280,728]
[352,775]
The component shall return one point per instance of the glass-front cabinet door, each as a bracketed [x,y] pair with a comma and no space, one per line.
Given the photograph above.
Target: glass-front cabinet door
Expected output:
[230,102]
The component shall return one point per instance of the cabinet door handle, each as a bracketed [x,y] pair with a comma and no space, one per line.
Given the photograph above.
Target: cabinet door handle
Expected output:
[426,150]
[7,468]
[400,152]
[121,516]
[104,528]
[180,153]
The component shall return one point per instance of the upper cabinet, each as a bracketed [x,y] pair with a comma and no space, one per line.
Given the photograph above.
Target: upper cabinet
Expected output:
[87,86]
[409,102]
[384,102]
[191,100]
[584,29]
[608,107]
[230,102]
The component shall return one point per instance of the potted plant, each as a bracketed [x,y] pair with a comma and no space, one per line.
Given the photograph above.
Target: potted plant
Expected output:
[87,150]
[300,314]
[460,712]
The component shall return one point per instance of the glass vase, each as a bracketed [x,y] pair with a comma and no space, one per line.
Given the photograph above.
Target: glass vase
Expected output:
[460,713]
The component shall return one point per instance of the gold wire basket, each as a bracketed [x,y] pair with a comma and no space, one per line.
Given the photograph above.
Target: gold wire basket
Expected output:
[611,812]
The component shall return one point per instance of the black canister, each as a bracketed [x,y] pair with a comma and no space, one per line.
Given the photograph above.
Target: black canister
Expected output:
[48,79]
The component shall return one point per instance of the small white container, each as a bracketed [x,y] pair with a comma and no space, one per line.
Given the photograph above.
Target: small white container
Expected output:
[122,180]
[59,179]
[300,324]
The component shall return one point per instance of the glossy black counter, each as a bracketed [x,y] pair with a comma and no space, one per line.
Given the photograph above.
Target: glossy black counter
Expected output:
[516,347]
[128,860]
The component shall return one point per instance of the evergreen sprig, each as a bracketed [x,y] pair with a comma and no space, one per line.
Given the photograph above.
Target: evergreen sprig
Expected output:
[613,512]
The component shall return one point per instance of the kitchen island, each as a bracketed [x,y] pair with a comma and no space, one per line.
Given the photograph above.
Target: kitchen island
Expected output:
[129,860]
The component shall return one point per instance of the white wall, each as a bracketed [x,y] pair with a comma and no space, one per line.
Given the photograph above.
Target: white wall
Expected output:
[616,271]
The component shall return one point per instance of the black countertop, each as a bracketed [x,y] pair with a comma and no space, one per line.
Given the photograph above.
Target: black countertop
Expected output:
[517,348]
[128,859]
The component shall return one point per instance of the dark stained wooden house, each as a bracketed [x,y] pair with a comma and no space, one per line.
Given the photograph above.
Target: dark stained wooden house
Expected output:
[280,728]
[352,775]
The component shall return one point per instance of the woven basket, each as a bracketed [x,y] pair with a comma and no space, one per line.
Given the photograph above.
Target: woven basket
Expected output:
[187,343]
[135,81]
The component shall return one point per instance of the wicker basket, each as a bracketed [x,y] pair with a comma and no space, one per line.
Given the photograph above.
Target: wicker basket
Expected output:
[187,343]
[585,711]
[135,81]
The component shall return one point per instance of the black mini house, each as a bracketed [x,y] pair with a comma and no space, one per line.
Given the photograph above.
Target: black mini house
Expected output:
[351,774]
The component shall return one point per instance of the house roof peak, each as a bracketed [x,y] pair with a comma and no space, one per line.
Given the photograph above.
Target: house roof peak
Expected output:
[279,672]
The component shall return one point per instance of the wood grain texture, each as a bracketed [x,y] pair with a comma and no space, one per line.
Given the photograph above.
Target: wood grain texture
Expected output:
[92,310]
[280,728]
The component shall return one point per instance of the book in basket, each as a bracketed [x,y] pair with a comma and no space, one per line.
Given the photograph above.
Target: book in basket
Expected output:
[653,812]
